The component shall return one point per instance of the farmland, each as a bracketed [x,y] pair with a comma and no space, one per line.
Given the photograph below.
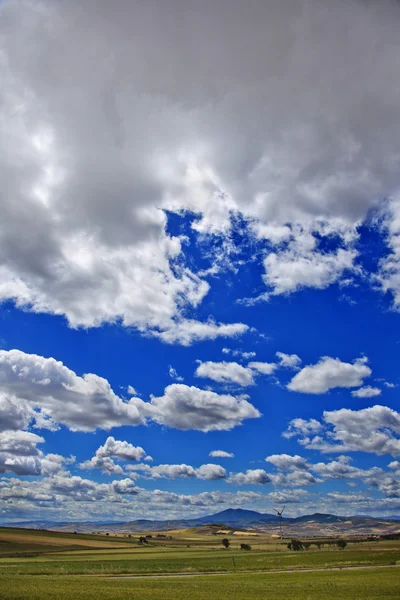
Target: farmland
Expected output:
[42,564]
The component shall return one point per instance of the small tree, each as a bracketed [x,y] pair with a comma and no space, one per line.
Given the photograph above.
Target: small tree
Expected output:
[341,544]
[245,547]
[295,545]
[226,543]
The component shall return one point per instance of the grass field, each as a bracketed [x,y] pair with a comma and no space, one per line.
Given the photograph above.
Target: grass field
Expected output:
[38,564]
[351,585]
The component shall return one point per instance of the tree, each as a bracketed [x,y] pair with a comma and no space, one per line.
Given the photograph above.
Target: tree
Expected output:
[245,547]
[341,544]
[295,545]
[226,543]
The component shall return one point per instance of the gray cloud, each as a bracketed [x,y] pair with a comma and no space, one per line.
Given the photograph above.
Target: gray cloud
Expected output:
[288,115]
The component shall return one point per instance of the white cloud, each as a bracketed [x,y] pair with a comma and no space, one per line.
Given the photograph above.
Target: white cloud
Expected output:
[366,392]
[221,454]
[107,465]
[262,367]
[121,450]
[187,331]
[389,272]
[50,393]
[375,429]
[296,268]
[225,372]
[291,361]
[239,353]
[46,390]
[174,374]
[19,454]
[287,496]
[89,164]
[250,477]
[207,472]
[329,373]
[395,464]
[285,462]
[103,459]
[185,407]
[339,497]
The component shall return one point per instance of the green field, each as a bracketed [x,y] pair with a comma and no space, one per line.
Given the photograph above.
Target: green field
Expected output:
[352,585]
[35,564]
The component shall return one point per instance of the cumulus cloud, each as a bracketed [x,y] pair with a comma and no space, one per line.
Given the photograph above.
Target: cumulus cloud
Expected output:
[103,459]
[287,496]
[375,429]
[187,331]
[285,462]
[298,268]
[90,164]
[330,373]
[225,372]
[250,477]
[188,407]
[342,469]
[43,389]
[264,368]
[221,454]
[341,498]
[366,392]
[291,361]
[209,472]
[19,454]
[47,392]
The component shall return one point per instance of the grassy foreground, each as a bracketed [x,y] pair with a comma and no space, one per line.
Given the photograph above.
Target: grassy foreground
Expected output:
[50,565]
[344,585]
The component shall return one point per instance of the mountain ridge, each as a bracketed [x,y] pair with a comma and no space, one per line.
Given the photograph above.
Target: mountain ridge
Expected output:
[230,518]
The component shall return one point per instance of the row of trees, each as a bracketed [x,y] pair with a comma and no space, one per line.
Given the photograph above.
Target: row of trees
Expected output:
[226,543]
[297,545]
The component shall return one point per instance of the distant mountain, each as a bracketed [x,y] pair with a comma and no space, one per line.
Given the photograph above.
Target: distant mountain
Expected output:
[320,518]
[236,518]
[238,515]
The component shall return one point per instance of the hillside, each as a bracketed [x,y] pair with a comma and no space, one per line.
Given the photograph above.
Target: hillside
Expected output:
[306,525]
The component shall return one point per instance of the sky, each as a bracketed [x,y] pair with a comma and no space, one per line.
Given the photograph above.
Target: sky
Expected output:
[200,258]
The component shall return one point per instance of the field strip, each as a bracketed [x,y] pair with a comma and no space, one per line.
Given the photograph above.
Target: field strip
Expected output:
[215,573]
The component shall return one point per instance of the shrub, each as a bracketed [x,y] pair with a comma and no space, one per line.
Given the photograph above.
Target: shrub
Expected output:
[245,547]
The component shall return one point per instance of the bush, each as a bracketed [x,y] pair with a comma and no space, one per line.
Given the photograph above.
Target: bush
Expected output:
[245,547]
[295,545]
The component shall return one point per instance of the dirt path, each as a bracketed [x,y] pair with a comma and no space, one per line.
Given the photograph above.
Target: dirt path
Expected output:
[214,573]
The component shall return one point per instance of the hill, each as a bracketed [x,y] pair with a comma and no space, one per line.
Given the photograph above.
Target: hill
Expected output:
[237,518]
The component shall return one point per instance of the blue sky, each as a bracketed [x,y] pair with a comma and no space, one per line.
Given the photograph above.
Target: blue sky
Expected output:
[200,274]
